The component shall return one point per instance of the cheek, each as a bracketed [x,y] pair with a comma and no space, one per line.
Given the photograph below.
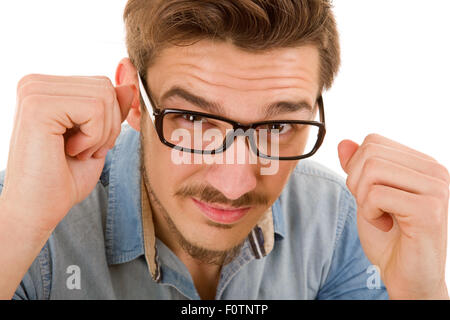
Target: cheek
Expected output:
[164,174]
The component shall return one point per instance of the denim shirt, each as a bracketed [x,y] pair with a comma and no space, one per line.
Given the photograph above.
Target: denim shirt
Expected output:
[307,247]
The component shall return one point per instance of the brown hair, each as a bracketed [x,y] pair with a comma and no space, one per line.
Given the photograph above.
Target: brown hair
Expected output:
[251,25]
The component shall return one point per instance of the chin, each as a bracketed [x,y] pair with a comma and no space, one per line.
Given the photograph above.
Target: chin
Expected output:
[213,238]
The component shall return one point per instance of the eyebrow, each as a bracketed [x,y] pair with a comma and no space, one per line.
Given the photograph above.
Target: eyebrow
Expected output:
[213,107]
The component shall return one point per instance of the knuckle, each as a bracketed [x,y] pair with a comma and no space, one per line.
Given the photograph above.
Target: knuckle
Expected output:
[349,182]
[114,134]
[370,166]
[352,183]
[441,171]
[372,138]
[31,107]
[110,95]
[116,130]
[434,204]
[373,195]
[111,142]
[97,136]
[99,78]
[443,191]
[106,81]
[25,79]
[435,213]
[446,193]
[368,149]
[369,174]
[361,200]
[31,102]
[30,87]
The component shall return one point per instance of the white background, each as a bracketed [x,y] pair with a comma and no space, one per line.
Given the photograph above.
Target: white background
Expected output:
[394,78]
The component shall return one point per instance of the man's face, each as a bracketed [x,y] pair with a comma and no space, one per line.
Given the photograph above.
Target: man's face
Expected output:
[242,84]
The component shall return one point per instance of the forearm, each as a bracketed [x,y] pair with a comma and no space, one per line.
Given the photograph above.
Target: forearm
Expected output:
[19,246]
[441,293]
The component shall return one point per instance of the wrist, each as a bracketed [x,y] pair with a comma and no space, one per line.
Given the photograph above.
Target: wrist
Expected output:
[11,215]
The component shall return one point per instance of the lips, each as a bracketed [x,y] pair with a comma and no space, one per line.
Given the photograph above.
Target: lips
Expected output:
[221,214]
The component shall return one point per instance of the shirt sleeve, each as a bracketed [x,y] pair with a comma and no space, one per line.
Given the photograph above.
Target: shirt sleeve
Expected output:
[36,283]
[351,275]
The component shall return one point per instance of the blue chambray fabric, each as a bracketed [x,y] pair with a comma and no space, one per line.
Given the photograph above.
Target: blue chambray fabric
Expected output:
[316,255]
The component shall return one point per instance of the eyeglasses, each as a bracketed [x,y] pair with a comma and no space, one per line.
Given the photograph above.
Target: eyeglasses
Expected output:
[203,133]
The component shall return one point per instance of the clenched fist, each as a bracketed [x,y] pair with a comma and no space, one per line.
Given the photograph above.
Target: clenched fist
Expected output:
[402,198]
[63,129]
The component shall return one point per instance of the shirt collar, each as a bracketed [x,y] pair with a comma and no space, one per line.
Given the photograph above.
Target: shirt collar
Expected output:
[124,236]
[123,231]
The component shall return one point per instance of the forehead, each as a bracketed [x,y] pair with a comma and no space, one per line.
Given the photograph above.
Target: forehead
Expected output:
[221,72]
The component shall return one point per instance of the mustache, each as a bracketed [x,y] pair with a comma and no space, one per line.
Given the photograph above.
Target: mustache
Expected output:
[209,194]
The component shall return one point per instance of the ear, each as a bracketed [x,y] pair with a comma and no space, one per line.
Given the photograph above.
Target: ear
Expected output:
[126,74]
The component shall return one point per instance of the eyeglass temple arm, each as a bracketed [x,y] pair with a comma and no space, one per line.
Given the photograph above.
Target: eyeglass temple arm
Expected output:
[322,112]
[147,102]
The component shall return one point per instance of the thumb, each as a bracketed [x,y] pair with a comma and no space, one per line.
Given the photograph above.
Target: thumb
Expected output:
[125,96]
[346,149]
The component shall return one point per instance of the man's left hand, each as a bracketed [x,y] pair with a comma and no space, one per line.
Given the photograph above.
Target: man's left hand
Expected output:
[402,197]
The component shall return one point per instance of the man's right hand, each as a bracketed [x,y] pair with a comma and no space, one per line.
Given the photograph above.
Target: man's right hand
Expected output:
[63,129]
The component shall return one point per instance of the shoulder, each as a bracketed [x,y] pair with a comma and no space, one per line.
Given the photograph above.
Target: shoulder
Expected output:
[318,172]
[318,197]
[316,206]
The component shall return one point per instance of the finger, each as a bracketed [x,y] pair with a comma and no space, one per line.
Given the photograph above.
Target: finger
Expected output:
[90,132]
[100,88]
[378,218]
[411,211]
[105,91]
[108,119]
[122,105]
[405,159]
[93,81]
[113,134]
[378,139]
[375,209]
[66,89]
[346,150]
[58,114]
[377,171]
[98,148]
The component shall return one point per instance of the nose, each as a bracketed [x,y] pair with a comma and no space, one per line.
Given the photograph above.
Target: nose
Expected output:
[234,177]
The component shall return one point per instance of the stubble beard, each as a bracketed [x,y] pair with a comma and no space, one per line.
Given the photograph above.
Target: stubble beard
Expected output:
[201,254]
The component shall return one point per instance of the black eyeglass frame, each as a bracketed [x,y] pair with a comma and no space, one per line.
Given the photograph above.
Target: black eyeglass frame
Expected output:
[159,114]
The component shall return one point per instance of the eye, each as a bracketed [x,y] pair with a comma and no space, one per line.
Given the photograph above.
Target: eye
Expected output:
[193,118]
[282,128]
[187,120]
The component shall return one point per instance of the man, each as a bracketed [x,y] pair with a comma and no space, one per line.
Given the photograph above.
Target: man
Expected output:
[208,195]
